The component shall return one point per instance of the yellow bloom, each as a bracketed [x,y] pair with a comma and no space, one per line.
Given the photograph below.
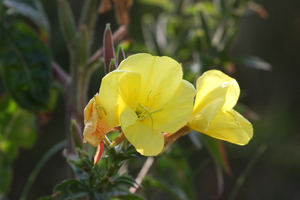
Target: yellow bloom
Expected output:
[95,129]
[213,115]
[147,96]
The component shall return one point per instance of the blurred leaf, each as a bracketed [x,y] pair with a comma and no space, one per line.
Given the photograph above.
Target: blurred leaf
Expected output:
[100,195]
[25,66]
[176,192]
[81,174]
[45,198]
[203,6]
[66,21]
[253,62]
[167,5]
[33,9]
[5,174]
[217,150]
[17,128]
[174,168]
[124,180]
[129,197]
[205,29]
[71,188]
[124,194]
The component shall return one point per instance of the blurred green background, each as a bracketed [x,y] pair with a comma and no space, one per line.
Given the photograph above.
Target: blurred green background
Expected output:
[273,95]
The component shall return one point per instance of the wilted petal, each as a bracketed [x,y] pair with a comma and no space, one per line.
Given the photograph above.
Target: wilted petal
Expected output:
[95,128]
[94,134]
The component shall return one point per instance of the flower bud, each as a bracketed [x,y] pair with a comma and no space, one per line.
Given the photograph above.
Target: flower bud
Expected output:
[121,55]
[108,48]
[99,152]
[112,65]
[66,21]
[76,133]
[83,46]
[118,140]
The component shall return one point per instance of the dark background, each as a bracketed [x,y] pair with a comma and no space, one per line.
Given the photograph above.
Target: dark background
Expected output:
[274,95]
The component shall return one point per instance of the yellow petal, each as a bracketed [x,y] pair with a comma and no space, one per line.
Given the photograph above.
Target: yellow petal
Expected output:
[147,141]
[213,79]
[208,108]
[177,111]
[88,110]
[160,77]
[128,117]
[232,127]
[118,90]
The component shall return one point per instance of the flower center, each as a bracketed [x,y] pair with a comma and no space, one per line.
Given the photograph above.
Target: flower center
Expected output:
[143,112]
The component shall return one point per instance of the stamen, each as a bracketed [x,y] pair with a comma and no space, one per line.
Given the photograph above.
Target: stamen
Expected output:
[97,108]
[149,114]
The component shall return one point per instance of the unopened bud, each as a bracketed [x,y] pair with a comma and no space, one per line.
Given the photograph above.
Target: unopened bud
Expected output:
[83,46]
[108,48]
[121,54]
[112,65]
[118,140]
[66,21]
[76,133]
[99,152]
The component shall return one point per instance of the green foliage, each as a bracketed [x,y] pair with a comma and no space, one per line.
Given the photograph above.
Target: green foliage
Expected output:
[71,188]
[17,129]
[217,151]
[32,9]
[25,66]
[173,175]
[96,182]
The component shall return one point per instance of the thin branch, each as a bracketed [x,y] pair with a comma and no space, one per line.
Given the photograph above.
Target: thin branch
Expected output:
[60,74]
[142,174]
[119,34]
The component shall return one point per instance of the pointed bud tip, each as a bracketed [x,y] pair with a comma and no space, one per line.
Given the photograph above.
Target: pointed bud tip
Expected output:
[107,27]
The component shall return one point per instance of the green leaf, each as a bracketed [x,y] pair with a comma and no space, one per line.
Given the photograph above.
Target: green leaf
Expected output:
[217,150]
[123,194]
[71,188]
[167,5]
[175,169]
[17,128]
[78,165]
[25,66]
[100,195]
[124,180]
[253,62]
[33,9]
[176,192]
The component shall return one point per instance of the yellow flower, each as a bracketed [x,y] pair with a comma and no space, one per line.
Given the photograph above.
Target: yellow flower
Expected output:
[147,96]
[95,129]
[213,115]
